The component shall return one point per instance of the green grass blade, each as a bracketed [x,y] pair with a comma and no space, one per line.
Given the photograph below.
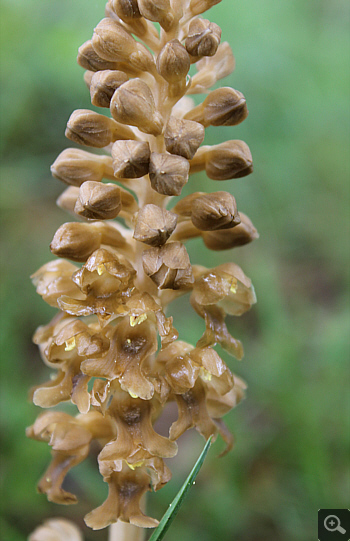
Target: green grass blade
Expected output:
[174,507]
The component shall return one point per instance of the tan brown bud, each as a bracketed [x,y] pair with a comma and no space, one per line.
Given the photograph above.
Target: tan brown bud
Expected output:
[158,11]
[168,266]
[222,107]
[225,161]
[113,43]
[183,137]
[74,166]
[92,129]
[173,62]
[168,173]
[200,6]
[98,201]
[215,211]
[77,241]
[127,10]
[104,84]
[90,60]
[154,225]
[203,38]
[213,68]
[184,206]
[225,107]
[229,160]
[240,235]
[131,159]
[133,104]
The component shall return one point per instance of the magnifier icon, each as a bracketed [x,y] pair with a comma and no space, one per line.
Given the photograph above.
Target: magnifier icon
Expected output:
[332,524]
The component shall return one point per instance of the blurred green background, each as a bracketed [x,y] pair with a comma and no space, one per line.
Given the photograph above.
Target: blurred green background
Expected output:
[292,431]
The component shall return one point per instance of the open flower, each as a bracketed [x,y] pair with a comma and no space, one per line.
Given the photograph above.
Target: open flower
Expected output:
[125,490]
[70,440]
[104,282]
[226,286]
[136,439]
[64,345]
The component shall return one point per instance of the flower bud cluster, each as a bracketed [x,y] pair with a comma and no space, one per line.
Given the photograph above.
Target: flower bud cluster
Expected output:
[114,352]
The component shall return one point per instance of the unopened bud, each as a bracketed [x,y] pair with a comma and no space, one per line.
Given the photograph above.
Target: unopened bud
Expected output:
[77,241]
[225,161]
[158,11]
[215,211]
[203,38]
[127,10]
[131,159]
[113,43]
[239,235]
[200,6]
[183,137]
[154,225]
[168,173]
[229,160]
[133,104]
[74,166]
[222,107]
[169,266]
[98,201]
[173,62]
[104,84]
[92,129]
[90,60]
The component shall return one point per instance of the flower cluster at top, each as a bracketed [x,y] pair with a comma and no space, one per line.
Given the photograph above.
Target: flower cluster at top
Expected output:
[116,354]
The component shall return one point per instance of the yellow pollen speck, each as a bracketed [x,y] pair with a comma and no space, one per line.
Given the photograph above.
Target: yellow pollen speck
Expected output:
[128,340]
[133,395]
[205,374]
[137,320]
[101,269]
[136,465]
[233,287]
[70,344]
[48,479]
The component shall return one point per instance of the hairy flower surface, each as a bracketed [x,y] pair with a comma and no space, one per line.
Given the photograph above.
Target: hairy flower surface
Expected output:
[114,352]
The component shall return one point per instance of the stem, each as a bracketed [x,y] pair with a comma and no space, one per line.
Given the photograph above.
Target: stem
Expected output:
[122,531]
